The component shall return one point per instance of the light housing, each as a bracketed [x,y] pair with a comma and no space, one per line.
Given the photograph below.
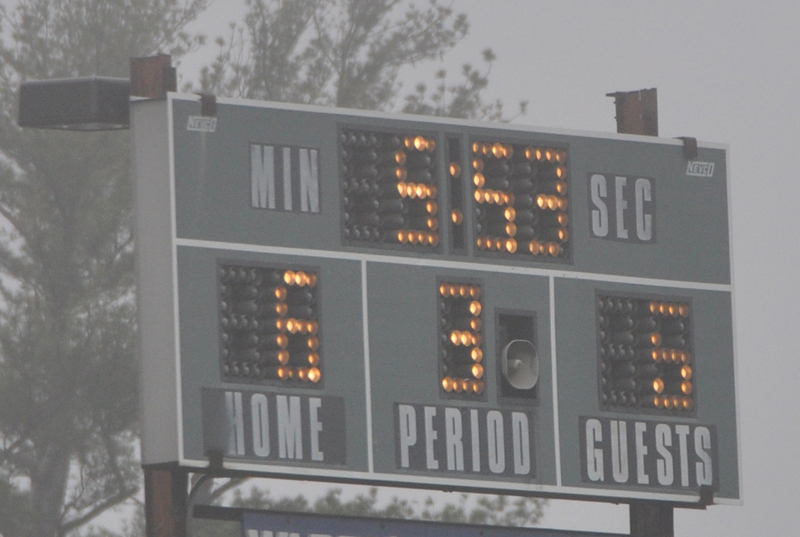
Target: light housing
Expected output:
[81,104]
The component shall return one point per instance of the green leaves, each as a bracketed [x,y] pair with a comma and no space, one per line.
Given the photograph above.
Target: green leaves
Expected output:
[464,509]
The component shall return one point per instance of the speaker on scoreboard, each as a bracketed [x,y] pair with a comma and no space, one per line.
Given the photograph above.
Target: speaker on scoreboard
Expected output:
[517,357]
[520,364]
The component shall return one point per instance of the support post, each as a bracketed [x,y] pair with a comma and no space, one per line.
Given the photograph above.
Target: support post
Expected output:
[165,501]
[651,519]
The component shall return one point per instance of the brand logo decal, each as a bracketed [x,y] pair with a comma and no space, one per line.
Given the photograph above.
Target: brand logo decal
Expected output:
[700,169]
[201,124]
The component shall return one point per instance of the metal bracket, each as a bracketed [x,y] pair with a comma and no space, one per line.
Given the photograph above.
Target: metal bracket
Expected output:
[208,104]
[689,147]
[706,496]
[153,76]
[637,111]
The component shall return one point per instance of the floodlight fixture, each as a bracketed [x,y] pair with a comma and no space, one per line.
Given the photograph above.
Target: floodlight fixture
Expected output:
[76,104]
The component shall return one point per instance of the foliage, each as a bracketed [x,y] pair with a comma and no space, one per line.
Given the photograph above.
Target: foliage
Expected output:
[487,510]
[343,53]
[346,53]
[462,100]
[68,375]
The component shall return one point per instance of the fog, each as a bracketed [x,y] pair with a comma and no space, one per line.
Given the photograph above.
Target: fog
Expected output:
[726,72]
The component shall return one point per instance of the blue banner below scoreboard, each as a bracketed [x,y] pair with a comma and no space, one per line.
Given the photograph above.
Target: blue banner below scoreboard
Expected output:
[262,524]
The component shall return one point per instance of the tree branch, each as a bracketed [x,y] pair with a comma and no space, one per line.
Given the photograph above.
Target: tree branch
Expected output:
[98,509]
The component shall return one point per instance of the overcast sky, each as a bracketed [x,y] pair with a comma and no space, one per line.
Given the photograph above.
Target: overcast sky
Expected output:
[727,71]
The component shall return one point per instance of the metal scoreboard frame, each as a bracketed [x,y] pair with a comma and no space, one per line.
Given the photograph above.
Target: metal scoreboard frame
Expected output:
[348,296]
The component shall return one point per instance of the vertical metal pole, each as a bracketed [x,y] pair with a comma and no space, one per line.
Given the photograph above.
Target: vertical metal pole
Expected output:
[165,495]
[651,519]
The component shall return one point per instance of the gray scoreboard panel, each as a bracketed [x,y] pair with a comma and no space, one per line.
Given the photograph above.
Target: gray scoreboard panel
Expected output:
[434,303]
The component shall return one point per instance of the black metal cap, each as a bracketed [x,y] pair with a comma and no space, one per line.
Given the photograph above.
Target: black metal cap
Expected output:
[83,104]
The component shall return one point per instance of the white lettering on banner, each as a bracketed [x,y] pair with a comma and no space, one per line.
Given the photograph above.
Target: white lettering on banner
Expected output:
[661,449]
[309,181]
[594,464]
[702,443]
[260,414]
[641,451]
[644,222]
[664,464]
[440,441]
[287,178]
[497,448]
[314,404]
[522,449]
[476,440]
[683,431]
[290,428]
[408,432]
[430,437]
[233,403]
[455,447]
[262,176]
[619,451]
[297,186]
[272,426]
[621,204]
[269,533]
[638,195]
[600,211]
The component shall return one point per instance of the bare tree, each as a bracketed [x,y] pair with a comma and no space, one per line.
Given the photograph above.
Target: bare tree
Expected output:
[68,373]
[347,53]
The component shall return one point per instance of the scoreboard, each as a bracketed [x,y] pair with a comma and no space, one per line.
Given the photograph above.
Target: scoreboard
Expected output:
[349,296]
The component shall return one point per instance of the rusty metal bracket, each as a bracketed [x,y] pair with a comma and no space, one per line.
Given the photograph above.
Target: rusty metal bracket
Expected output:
[153,76]
[706,496]
[208,104]
[689,147]
[165,500]
[637,111]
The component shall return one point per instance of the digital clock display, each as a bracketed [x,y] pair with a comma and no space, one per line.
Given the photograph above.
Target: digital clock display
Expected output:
[521,195]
